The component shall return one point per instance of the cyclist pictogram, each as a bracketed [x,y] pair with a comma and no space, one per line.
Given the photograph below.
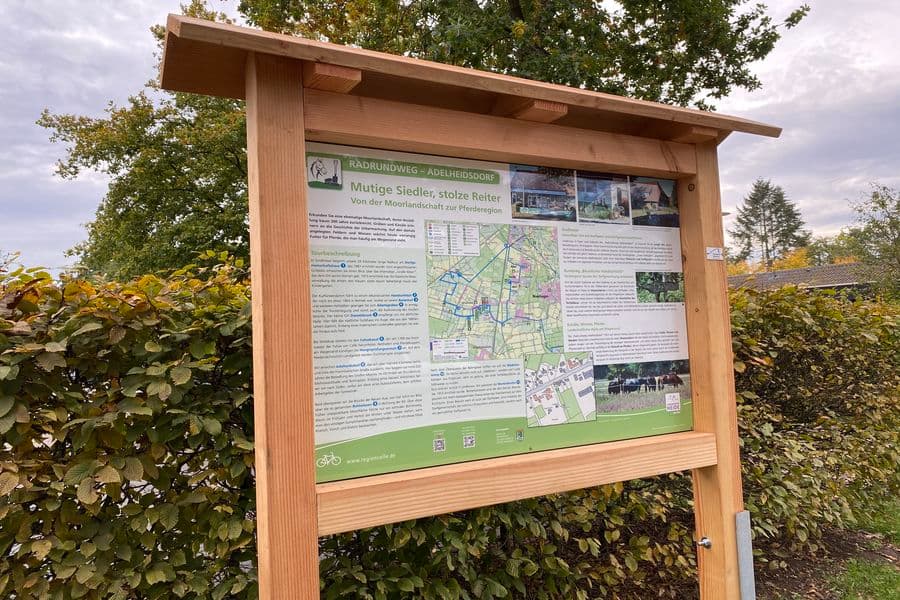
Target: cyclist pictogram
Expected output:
[327,460]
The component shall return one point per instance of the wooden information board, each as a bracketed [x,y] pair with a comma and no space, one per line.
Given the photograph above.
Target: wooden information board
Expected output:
[382,191]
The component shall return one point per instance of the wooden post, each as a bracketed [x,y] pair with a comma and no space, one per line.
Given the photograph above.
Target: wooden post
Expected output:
[287,535]
[717,489]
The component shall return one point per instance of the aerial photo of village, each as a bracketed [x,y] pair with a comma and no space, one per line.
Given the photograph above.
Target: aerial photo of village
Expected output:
[559,388]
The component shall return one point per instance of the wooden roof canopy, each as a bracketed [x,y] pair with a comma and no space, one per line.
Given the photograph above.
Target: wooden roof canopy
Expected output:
[210,58]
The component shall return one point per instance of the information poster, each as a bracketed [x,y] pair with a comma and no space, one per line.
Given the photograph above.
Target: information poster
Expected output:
[465,310]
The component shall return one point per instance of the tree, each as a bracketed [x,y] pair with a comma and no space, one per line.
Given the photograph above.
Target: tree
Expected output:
[877,236]
[660,287]
[741,267]
[832,250]
[6,261]
[794,259]
[177,171]
[768,225]
[873,240]
[177,163]
[677,52]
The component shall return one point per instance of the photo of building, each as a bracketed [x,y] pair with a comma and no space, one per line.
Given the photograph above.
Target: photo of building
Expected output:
[603,198]
[654,202]
[542,193]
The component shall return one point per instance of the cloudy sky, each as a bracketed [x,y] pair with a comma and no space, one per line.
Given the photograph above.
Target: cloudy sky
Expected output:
[833,84]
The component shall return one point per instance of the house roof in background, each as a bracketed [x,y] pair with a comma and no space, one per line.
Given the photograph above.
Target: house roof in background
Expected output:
[825,276]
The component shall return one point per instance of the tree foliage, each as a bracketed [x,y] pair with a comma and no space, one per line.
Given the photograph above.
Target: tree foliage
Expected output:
[177,165]
[177,169]
[178,177]
[768,225]
[124,412]
[877,236]
[660,287]
[793,259]
[677,52]
[642,369]
[873,240]
[126,456]
[833,250]
[797,258]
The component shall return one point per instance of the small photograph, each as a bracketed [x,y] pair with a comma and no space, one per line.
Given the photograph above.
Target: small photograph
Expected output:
[653,202]
[602,198]
[542,193]
[559,388]
[630,387]
[659,286]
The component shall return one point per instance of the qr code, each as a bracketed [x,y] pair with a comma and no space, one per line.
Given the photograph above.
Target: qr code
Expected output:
[673,402]
[468,441]
[439,445]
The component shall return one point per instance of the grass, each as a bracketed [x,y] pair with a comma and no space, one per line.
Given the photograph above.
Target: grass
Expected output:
[665,210]
[884,519]
[866,576]
[637,401]
[864,580]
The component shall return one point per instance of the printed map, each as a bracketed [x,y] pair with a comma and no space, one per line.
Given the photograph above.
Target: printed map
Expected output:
[559,389]
[497,299]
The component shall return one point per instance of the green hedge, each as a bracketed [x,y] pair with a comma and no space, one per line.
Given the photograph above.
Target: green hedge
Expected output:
[126,452]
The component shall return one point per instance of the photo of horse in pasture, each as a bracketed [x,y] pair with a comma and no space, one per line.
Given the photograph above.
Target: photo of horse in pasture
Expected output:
[635,387]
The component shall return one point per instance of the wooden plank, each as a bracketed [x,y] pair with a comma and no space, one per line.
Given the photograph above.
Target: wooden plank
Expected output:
[390,125]
[425,93]
[194,67]
[219,35]
[717,489]
[684,134]
[603,120]
[330,78]
[694,135]
[287,538]
[370,501]
[529,109]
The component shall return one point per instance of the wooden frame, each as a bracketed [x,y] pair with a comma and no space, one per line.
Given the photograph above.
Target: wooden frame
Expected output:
[298,90]
[390,125]
[369,501]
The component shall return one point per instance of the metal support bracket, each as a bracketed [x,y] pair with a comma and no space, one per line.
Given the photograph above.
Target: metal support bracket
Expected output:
[745,555]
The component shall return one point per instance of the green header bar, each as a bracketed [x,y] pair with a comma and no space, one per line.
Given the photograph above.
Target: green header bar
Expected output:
[381,166]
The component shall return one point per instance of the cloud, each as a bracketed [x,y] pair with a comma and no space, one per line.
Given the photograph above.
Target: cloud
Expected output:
[833,84]
[70,57]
